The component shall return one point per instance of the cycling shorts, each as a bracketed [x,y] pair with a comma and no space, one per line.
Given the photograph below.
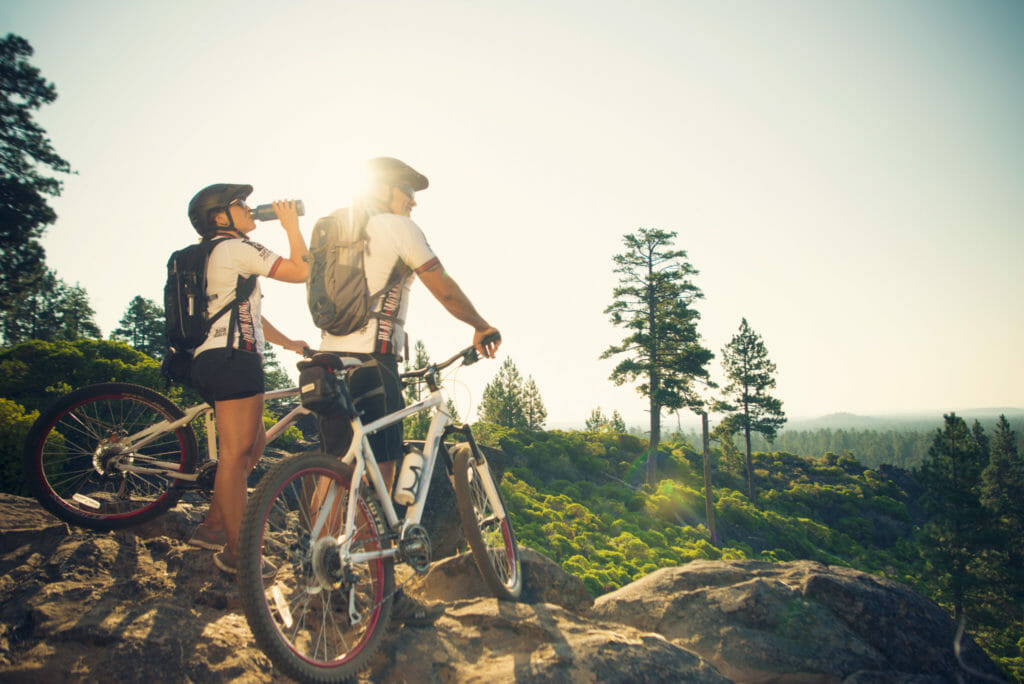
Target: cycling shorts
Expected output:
[224,374]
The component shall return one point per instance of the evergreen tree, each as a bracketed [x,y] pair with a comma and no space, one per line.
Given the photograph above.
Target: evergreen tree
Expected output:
[274,374]
[599,422]
[26,156]
[957,529]
[1002,493]
[534,413]
[747,404]
[52,310]
[416,426]
[143,327]
[663,350]
[595,421]
[503,399]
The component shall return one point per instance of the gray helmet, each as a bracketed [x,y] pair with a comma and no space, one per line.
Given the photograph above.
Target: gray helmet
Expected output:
[213,198]
[394,171]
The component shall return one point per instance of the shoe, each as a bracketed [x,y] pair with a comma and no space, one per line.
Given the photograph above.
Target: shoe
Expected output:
[226,561]
[414,613]
[205,538]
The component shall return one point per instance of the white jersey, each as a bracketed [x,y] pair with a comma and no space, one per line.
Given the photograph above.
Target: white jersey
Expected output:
[228,260]
[393,242]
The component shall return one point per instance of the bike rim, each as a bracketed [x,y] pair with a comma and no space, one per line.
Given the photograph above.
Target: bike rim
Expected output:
[73,438]
[498,539]
[292,594]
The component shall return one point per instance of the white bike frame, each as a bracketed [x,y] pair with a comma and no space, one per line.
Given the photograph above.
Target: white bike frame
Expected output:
[356,457]
[147,435]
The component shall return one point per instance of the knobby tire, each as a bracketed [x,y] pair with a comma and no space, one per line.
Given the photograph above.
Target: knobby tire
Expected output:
[73,450]
[301,617]
[488,531]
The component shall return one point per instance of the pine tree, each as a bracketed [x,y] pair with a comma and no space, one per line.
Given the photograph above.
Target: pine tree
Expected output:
[654,302]
[52,310]
[595,421]
[534,413]
[503,399]
[1002,493]
[416,426]
[143,327]
[957,529]
[747,404]
[26,154]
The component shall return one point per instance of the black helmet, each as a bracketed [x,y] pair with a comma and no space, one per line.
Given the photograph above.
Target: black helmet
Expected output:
[394,171]
[212,198]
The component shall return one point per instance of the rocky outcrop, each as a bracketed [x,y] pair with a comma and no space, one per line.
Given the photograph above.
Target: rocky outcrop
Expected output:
[140,605]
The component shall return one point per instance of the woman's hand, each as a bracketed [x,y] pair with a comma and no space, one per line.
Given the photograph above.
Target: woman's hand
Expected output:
[287,214]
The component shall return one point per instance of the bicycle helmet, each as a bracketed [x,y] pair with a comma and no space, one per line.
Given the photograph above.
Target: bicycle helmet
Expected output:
[213,198]
[393,171]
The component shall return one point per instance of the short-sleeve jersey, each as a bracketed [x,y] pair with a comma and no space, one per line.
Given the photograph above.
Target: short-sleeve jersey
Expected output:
[393,242]
[228,260]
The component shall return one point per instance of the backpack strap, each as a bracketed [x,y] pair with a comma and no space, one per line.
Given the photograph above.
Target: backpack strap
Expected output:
[243,290]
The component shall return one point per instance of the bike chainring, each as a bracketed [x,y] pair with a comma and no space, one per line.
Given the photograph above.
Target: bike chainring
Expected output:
[414,548]
[205,479]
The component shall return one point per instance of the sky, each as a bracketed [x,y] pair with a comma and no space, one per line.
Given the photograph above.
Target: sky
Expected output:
[846,175]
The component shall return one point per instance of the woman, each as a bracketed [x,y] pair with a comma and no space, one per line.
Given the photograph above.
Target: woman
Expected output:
[227,368]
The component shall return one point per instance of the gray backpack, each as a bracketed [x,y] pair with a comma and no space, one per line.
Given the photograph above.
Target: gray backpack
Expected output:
[338,295]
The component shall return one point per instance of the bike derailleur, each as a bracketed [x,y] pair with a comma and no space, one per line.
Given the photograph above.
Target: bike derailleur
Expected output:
[414,548]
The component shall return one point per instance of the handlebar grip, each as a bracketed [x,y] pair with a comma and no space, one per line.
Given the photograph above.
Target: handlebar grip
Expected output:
[308,352]
[492,338]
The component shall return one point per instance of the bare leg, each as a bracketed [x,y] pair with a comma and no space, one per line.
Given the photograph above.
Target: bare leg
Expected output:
[241,440]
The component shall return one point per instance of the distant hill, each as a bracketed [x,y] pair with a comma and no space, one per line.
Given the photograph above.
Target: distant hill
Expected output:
[900,421]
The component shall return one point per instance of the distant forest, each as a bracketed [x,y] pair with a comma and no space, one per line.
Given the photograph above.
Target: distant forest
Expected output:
[899,442]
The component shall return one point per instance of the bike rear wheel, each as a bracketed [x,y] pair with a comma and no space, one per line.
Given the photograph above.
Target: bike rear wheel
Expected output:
[318,619]
[77,452]
[488,528]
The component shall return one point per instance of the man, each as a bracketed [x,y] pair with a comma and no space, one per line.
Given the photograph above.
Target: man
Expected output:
[397,252]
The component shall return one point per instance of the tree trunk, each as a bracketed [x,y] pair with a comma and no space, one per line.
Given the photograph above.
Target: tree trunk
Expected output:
[652,451]
[750,468]
[709,503]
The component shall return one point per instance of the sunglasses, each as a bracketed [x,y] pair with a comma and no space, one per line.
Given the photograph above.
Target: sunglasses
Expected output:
[237,203]
[407,191]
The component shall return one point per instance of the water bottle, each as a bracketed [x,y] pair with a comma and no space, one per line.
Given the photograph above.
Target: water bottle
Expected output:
[409,479]
[265,212]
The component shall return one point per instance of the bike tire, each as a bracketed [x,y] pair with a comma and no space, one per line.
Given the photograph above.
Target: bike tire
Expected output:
[71,452]
[488,531]
[301,617]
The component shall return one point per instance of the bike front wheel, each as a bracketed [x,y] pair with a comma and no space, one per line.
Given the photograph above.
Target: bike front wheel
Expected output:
[322,615]
[487,525]
[82,464]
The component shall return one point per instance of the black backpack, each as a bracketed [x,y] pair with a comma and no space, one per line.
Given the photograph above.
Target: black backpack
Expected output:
[187,324]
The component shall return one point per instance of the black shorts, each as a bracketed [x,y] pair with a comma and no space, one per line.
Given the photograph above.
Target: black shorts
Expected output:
[376,391]
[225,374]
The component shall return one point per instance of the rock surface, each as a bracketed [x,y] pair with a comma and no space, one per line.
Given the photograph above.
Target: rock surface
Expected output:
[140,605]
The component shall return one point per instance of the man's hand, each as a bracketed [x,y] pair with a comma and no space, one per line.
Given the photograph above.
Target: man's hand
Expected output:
[487,351]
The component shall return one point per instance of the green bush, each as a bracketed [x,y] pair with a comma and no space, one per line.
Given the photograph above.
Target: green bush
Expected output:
[14,426]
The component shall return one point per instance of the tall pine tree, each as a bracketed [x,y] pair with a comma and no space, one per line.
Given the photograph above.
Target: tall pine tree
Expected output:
[663,351]
[957,529]
[747,403]
[26,159]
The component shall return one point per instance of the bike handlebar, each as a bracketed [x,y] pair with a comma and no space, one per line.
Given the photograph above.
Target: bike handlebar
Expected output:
[468,356]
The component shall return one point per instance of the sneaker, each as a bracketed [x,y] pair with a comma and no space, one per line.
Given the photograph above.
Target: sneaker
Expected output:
[412,612]
[226,561]
[205,538]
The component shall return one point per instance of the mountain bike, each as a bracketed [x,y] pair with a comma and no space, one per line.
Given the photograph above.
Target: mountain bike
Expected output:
[112,455]
[329,527]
